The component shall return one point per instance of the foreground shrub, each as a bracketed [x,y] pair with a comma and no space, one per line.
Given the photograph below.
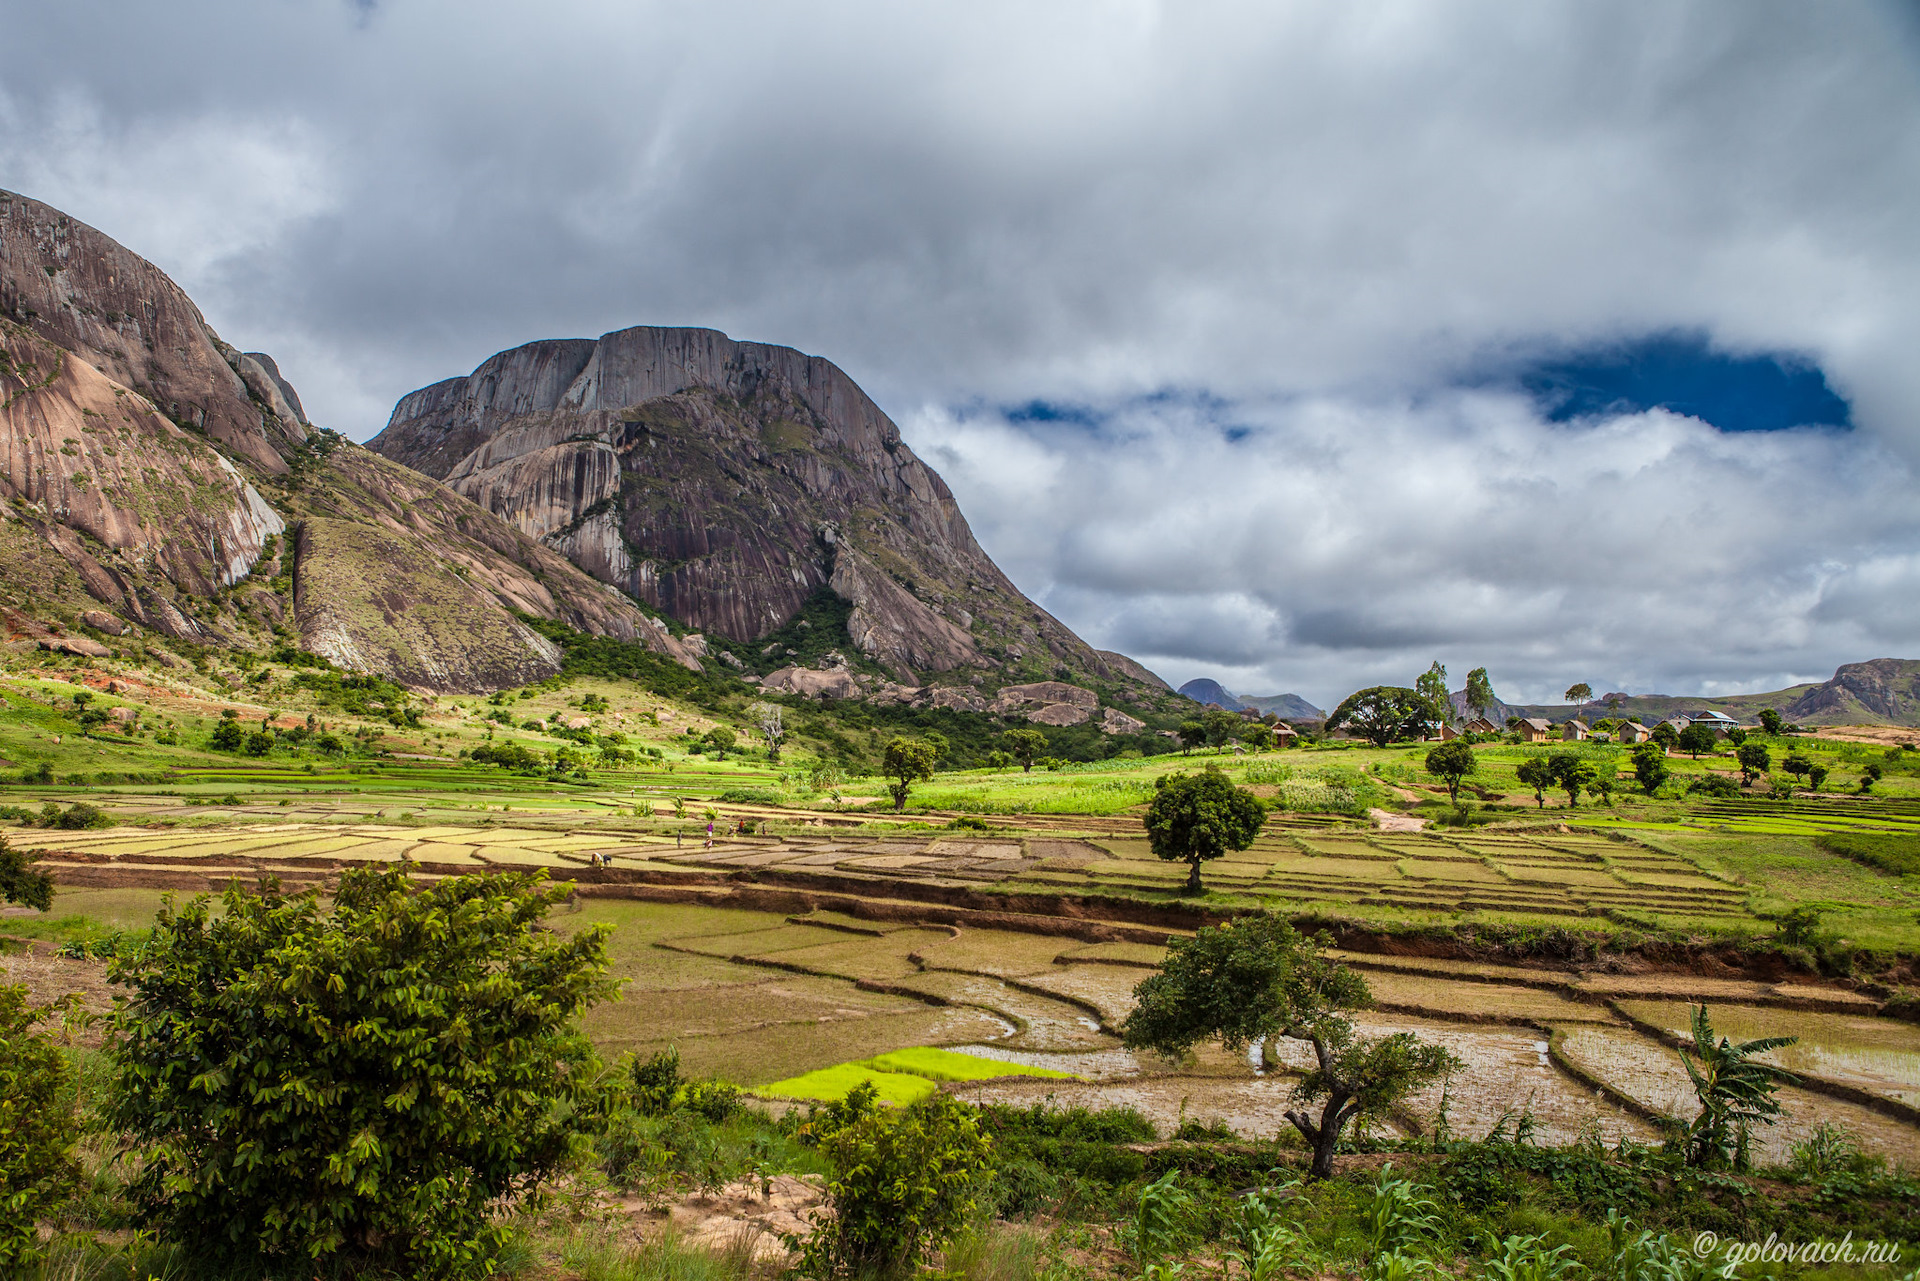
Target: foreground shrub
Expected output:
[37,1129]
[370,1082]
[903,1184]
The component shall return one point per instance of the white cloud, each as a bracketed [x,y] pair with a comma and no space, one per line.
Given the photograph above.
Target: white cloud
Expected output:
[1314,545]
[1308,218]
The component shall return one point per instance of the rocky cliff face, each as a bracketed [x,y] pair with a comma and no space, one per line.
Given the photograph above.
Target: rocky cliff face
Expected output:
[725,483]
[155,470]
[1885,690]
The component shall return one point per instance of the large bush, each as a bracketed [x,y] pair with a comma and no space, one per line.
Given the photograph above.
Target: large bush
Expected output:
[37,1130]
[370,1081]
[903,1183]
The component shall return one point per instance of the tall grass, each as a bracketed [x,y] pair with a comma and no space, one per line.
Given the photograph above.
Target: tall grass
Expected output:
[602,1255]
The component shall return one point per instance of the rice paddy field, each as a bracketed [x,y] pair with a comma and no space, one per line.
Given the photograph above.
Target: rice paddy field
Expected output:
[798,1005]
[814,938]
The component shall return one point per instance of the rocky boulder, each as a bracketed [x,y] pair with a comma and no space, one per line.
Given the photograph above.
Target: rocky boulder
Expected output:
[1016,699]
[1115,721]
[833,683]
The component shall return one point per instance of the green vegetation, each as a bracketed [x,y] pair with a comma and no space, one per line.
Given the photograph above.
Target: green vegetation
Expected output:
[1898,854]
[1257,978]
[37,1128]
[1197,817]
[364,1081]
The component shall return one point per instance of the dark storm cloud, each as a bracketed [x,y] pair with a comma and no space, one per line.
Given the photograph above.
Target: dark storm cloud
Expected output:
[1256,248]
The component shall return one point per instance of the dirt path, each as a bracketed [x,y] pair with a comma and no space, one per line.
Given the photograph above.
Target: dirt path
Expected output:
[1388,821]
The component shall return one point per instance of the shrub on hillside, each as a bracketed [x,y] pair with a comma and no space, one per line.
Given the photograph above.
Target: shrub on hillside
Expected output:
[903,1183]
[37,1129]
[371,1081]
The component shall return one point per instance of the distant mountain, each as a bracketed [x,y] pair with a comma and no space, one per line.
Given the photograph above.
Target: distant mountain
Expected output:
[1202,690]
[1881,691]
[1290,707]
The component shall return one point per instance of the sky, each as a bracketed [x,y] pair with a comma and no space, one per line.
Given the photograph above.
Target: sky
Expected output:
[1298,345]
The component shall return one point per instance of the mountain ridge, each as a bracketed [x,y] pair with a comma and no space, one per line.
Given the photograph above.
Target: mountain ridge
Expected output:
[723,483]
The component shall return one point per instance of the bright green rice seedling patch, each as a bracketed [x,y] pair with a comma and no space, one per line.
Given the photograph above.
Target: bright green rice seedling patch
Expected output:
[945,1065]
[829,1085]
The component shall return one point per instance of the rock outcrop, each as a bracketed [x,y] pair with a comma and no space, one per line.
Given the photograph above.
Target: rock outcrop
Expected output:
[88,295]
[1885,690]
[725,483]
[159,478]
[1046,703]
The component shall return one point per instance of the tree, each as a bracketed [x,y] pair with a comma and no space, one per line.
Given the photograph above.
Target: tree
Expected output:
[1695,739]
[1602,782]
[19,883]
[1581,693]
[1869,775]
[1534,772]
[1192,734]
[1569,774]
[1432,686]
[1256,977]
[1796,764]
[1479,696]
[1024,745]
[1736,735]
[908,761]
[1649,767]
[37,1129]
[1196,817]
[227,735]
[1735,1091]
[720,740]
[259,743]
[767,719]
[1257,736]
[1666,735]
[902,1184]
[1450,763]
[1770,722]
[1221,726]
[374,1080]
[1817,778]
[1384,713]
[939,742]
[1754,762]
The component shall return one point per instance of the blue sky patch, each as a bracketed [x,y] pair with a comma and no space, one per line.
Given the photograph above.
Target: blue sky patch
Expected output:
[1684,374]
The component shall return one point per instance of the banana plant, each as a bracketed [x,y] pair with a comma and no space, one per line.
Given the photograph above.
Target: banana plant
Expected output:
[1736,1092]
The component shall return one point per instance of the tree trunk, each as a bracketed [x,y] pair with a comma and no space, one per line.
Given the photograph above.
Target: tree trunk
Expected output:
[1193,877]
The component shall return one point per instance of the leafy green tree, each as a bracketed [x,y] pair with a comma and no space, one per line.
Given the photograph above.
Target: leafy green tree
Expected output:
[1796,764]
[1770,722]
[1479,698]
[19,883]
[1197,817]
[1256,736]
[1569,774]
[1817,777]
[720,740]
[259,743]
[1649,767]
[908,761]
[1666,735]
[1736,735]
[370,1082]
[1602,783]
[1025,745]
[1384,713]
[1001,760]
[227,736]
[37,1129]
[1754,762]
[1695,739]
[1257,977]
[1869,775]
[1192,734]
[939,742]
[1451,763]
[1580,693]
[1735,1089]
[1534,772]
[1221,726]
[1432,686]
[902,1184]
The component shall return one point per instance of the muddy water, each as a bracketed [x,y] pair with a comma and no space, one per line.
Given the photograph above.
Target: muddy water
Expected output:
[1881,1055]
